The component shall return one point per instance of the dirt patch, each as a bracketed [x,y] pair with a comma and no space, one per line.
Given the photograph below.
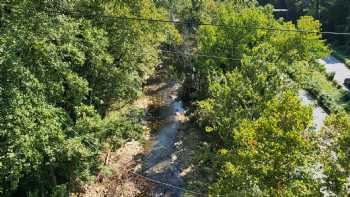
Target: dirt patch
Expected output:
[121,183]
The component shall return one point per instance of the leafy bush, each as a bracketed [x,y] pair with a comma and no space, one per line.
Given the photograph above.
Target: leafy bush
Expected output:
[328,103]
[60,191]
[330,76]
[336,155]
[313,88]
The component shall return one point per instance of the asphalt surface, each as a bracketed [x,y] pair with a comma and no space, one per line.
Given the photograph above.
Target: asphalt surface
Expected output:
[319,115]
[340,69]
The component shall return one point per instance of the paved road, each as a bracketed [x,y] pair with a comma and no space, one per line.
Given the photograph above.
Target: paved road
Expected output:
[334,65]
[319,115]
[341,73]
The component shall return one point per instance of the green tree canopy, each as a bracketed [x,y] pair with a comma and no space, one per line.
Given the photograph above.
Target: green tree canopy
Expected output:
[269,154]
[62,65]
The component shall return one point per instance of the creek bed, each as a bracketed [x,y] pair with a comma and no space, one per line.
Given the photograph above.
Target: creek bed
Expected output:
[160,162]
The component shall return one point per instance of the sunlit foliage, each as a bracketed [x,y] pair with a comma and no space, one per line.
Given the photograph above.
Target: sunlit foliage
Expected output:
[62,65]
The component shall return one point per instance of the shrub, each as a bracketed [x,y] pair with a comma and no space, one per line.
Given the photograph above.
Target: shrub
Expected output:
[330,76]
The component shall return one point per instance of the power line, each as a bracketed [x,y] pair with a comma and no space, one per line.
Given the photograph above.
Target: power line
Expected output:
[167,184]
[150,20]
[147,178]
[186,23]
[191,54]
[200,24]
[200,55]
[274,29]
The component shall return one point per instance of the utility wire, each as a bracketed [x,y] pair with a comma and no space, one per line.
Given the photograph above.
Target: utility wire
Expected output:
[167,184]
[143,19]
[274,29]
[186,23]
[190,54]
[200,23]
[200,55]
[94,146]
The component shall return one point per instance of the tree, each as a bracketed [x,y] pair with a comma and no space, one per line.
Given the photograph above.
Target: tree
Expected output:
[295,8]
[336,153]
[269,155]
[233,43]
[334,15]
[242,93]
[62,65]
[243,105]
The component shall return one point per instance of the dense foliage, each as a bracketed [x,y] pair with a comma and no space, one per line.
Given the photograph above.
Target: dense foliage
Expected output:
[335,15]
[248,103]
[336,134]
[267,154]
[62,65]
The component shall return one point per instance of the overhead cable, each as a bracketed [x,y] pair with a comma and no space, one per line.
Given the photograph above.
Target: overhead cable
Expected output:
[199,23]
[65,12]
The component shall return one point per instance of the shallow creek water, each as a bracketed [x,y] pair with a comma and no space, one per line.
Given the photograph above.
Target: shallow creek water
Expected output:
[160,162]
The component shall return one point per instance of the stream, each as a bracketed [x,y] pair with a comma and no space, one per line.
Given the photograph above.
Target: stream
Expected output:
[160,163]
